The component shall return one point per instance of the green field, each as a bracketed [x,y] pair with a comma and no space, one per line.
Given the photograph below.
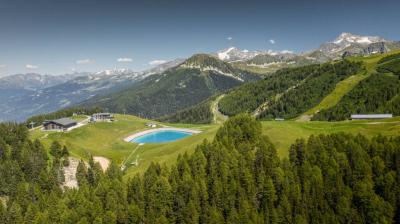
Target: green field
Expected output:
[106,139]
[284,133]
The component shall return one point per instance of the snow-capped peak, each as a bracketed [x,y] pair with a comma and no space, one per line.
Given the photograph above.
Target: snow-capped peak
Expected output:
[224,54]
[234,54]
[348,38]
[113,71]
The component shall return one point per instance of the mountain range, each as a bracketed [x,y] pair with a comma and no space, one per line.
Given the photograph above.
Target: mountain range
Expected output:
[170,87]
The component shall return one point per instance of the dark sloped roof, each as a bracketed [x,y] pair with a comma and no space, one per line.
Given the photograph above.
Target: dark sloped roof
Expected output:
[64,121]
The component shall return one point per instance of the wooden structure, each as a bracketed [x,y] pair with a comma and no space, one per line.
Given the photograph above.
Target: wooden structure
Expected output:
[61,124]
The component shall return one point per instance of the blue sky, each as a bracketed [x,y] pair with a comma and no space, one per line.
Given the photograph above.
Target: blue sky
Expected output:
[56,37]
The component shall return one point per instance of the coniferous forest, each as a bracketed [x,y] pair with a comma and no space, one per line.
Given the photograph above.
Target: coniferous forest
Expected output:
[236,178]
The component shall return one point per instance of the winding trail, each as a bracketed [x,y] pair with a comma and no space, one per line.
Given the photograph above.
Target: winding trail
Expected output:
[264,106]
[218,117]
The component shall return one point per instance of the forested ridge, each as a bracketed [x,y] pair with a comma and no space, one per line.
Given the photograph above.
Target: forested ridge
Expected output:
[198,114]
[379,93]
[311,91]
[177,89]
[288,92]
[236,178]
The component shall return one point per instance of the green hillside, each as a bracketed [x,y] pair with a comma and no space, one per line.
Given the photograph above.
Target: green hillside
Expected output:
[343,87]
[106,139]
[288,92]
[390,64]
[198,114]
[378,93]
[177,89]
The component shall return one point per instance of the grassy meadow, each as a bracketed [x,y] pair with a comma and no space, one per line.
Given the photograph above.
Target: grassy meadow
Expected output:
[283,133]
[106,138]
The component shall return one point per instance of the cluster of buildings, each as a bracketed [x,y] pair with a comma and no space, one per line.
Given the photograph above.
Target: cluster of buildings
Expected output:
[65,124]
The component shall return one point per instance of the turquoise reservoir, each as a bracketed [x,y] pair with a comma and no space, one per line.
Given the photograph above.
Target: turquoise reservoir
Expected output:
[161,136]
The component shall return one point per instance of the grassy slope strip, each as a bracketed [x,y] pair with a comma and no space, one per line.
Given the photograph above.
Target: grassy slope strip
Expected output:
[380,93]
[288,92]
[345,86]
[197,79]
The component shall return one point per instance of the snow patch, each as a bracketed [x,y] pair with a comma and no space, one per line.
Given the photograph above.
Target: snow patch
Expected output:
[225,54]
[210,68]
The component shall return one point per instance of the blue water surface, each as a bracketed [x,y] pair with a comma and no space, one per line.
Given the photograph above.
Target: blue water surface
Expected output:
[161,136]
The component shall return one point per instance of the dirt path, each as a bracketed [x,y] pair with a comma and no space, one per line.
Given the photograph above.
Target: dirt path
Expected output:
[218,117]
[264,106]
[104,162]
[124,165]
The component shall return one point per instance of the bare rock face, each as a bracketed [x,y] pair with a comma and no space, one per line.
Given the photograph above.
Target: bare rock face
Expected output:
[70,174]
[374,48]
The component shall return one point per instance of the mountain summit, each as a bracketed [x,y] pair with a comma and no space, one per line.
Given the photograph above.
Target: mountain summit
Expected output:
[235,54]
[346,39]
[347,44]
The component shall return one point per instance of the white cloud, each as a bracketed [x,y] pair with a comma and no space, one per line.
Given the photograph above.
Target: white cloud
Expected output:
[84,61]
[28,66]
[157,62]
[124,60]
[272,41]
[3,66]
[229,38]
